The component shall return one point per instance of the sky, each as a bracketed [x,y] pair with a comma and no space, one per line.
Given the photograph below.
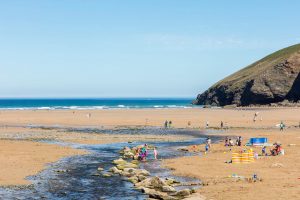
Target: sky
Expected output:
[134,48]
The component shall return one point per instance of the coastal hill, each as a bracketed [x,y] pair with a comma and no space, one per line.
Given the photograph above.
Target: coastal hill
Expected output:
[273,79]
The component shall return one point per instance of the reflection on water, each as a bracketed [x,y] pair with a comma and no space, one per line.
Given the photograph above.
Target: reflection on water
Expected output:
[74,177]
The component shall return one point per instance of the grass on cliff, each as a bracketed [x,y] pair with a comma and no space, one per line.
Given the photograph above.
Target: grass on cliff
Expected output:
[253,70]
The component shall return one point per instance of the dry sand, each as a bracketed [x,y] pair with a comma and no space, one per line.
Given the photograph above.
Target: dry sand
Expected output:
[20,159]
[280,175]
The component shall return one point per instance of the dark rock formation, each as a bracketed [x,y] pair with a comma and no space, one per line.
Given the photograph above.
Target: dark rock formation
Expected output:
[273,79]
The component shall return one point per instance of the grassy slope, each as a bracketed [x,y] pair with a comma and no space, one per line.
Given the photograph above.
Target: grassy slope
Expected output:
[247,73]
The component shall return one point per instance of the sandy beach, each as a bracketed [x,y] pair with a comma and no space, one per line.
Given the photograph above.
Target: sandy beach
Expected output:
[24,155]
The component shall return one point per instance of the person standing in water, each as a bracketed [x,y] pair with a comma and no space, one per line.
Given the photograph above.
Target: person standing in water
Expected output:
[155,153]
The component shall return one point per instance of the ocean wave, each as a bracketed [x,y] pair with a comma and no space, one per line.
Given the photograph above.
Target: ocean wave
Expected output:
[98,107]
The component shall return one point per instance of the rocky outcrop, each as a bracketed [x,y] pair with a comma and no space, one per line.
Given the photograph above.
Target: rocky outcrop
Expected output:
[273,79]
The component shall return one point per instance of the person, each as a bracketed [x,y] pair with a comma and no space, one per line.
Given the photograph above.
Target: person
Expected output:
[231,142]
[226,142]
[166,124]
[170,124]
[143,153]
[239,141]
[189,123]
[255,116]
[207,124]
[276,150]
[222,124]
[208,142]
[206,148]
[155,153]
[281,126]
[264,151]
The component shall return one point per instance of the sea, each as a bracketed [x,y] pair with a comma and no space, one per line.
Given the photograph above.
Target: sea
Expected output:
[94,103]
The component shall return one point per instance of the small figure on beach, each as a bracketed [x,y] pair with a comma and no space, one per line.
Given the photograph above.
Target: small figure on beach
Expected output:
[231,142]
[89,115]
[170,124]
[208,142]
[155,153]
[207,124]
[206,148]
[189,123]
[255,116]
[276,149]
[239,141]
[281,126]
[166,124]
[222,125]
[226,142]
[264,151]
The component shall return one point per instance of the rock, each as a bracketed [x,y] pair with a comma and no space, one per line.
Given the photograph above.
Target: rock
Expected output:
[119,161]
[142,172]
[141,177]
[126,174]
[168,189]
[120,167]
[107,175]
[135,162]
[100,169]
[157,194]
[133,179]
[273,79]
[96,174]
[129,170]
[128,155]
[130,165]
[115,170]
[171,181]
[153,183]
[183,193]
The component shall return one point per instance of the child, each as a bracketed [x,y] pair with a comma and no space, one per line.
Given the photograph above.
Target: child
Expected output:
[155,153]
[263,151]
[206,148]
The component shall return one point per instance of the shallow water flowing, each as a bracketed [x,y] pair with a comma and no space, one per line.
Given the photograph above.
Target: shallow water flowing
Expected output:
[76,177]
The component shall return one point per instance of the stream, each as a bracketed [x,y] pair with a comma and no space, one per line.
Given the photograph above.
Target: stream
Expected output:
[76,177]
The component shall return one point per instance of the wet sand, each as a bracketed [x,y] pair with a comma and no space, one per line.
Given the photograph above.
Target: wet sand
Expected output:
[152,117]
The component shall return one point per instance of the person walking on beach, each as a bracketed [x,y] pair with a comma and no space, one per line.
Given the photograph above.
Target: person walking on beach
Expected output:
[206,148]
[207,124]
[281,126]
[170,124]
[222,124]
[255,116]
[166,124]
[208,142]
[155,153]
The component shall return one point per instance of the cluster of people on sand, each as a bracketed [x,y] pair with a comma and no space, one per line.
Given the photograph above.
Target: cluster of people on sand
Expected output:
[142,153]
[168,124]
[230,142]
[275,151]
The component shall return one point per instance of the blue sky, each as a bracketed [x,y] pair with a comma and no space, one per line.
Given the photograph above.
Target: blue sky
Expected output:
[133,48]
